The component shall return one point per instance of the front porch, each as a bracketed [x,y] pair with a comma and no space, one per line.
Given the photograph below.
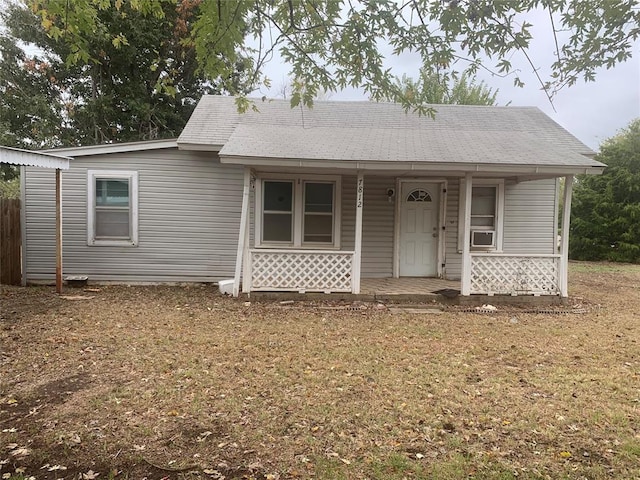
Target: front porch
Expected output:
[317,271]
[408,291]
[366,255]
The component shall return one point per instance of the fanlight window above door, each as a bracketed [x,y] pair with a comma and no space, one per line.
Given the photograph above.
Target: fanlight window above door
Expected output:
[419,196]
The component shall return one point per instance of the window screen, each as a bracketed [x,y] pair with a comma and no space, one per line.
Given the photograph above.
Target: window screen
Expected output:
[318,212]
[112,209]
[277,217]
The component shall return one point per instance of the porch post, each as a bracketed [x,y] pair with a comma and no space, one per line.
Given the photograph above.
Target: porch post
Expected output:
[242,235]
[564,245]
[58,231]
[357,256]
[466,229]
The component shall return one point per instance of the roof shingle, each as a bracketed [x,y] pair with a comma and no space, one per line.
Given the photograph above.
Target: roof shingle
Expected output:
[368,131]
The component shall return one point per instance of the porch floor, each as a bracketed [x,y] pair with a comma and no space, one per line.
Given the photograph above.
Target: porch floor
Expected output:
[406,286]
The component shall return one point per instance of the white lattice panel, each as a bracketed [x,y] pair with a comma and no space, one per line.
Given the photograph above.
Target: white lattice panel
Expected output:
[301,271]
[514,275]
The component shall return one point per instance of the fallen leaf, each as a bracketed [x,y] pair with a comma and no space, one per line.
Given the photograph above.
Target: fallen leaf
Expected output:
[90,475]
[565,454]
[20,452]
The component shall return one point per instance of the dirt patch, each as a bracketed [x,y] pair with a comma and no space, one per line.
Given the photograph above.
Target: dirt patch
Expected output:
[14,411]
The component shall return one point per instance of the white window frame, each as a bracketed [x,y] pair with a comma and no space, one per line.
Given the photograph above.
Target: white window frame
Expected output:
[132,177]
[298,210]
[499,214]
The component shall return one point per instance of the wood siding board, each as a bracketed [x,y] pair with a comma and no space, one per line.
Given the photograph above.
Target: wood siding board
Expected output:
[10,242]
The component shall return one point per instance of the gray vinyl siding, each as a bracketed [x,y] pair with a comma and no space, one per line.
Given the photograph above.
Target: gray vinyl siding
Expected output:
[530,217]
[189,216]
[377,224]
[452,258]
[529,220]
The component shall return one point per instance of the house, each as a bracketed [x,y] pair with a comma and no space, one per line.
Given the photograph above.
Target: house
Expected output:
[319,200]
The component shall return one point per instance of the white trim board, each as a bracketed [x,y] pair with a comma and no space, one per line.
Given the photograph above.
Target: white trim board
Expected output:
[298,207]
[130,175]
[114,148]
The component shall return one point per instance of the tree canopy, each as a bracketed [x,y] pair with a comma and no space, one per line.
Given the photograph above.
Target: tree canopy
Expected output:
[434,87]
[605,221]
[332,44]
[139,79]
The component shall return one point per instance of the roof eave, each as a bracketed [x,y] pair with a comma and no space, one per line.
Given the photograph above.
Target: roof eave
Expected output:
[115,148]
[199,147]
[460,168]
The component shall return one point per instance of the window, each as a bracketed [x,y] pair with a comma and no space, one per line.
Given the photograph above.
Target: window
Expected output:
[483,207]
[487,200]
[318,212]
[277,217]
[419,196]
[112,209]
[299,212]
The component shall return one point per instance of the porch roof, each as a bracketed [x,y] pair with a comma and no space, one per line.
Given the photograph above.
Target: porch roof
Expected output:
[382,136]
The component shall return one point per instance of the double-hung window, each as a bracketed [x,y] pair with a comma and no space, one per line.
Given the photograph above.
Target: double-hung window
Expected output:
[483,207]
[318,212]
[487,200]
[112,207]
[298,212]
[277,216]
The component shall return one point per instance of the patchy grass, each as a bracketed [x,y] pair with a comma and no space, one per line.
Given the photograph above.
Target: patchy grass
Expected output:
[602,267]
[181,383]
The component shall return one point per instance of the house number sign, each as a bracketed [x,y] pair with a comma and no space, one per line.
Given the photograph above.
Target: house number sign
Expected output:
[360,192]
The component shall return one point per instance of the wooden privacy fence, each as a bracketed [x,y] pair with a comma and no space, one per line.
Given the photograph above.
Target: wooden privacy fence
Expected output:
[10,242]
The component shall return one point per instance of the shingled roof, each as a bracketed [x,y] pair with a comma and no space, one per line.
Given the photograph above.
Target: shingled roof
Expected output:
[353,132]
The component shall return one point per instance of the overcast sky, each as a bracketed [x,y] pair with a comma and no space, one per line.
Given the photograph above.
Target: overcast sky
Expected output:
[591,111]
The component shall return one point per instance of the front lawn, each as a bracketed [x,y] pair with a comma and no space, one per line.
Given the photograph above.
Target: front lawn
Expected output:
[178,382]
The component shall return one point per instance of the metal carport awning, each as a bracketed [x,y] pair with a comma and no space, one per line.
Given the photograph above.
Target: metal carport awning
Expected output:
[16,156]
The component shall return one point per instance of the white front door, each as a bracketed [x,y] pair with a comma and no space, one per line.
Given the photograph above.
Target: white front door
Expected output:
[419,229]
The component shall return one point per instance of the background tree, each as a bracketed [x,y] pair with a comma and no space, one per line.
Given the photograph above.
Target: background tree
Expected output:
[139,79]
[435,87]
[332,44]
[605,222]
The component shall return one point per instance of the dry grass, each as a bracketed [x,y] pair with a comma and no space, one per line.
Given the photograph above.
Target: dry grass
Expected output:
[169,382]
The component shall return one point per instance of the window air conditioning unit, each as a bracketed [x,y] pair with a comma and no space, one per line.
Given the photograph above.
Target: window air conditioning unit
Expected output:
[483,238]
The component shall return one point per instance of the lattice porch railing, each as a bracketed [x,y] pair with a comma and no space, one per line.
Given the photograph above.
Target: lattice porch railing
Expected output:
[512,274]
[301,270]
